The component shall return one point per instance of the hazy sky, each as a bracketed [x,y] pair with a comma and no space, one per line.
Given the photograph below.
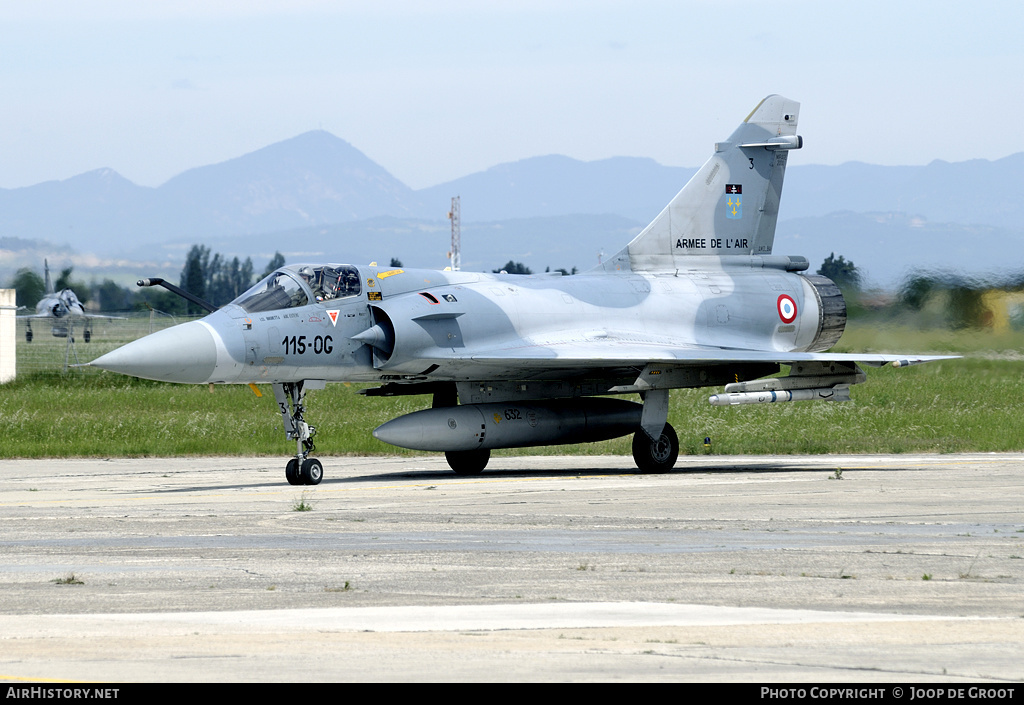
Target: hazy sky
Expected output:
[438,89]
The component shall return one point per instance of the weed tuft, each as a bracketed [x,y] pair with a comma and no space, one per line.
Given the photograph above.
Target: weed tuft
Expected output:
[302,504]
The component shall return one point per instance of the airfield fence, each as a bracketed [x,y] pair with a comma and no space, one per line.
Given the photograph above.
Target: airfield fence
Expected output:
[48,353]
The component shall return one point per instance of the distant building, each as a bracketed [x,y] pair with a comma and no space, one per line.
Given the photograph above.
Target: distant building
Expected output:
[1005,310]
[8,324]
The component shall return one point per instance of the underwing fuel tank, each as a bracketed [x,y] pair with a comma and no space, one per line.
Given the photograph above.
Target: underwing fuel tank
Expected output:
[512,425]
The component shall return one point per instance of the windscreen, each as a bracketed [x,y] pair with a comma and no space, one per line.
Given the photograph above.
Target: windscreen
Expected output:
[280,290]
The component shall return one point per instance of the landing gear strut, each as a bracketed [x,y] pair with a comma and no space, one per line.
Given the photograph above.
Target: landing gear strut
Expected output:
[300,470]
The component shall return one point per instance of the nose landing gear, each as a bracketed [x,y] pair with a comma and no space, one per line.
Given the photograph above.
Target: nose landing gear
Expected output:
[300,470]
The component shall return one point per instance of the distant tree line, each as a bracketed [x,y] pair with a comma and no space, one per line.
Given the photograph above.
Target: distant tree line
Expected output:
[512,267]
[210,276]
[928,299]
[30,287]
[214,278]
[845,274]
[934,298]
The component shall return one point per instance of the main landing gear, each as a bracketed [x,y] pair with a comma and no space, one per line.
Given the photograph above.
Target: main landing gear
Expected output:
[655,445]
[467,462]
[658,455]
[300,470]
[651,455]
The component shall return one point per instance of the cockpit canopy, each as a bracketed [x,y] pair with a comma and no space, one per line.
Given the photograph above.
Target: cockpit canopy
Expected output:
[299,285]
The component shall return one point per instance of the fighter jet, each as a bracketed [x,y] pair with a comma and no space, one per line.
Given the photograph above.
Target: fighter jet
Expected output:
[61,309]
[697,299]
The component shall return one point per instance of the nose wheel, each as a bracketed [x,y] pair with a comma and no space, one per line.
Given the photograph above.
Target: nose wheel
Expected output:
[291,472]
[300,470]
[304,472]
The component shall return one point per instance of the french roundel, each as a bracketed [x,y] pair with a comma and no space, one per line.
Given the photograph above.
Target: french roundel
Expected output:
[787,308]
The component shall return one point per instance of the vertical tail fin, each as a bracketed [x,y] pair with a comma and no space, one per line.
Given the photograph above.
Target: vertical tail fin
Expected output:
[731,205]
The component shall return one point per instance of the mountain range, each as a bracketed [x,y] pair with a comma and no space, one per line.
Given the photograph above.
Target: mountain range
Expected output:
[315,196]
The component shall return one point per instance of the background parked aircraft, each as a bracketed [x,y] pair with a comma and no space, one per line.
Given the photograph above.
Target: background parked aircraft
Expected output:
[61,309]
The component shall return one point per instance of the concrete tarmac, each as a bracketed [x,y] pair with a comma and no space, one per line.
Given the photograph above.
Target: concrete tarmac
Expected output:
[750,569]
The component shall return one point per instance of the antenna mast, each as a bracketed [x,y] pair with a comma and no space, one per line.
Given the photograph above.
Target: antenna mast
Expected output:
[455,255]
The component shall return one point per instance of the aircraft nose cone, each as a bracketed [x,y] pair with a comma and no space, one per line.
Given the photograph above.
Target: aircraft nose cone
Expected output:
[186,353]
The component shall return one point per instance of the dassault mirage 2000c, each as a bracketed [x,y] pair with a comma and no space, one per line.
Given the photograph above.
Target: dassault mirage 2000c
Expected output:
[62,308]
[697,299]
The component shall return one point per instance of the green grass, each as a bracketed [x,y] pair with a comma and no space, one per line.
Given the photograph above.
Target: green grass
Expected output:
[973,404]
[108,415]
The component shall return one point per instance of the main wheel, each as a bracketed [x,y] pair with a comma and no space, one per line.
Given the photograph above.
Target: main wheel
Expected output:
[656,456]
[312,471]
[291,472]
[467,462]
[88,335]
